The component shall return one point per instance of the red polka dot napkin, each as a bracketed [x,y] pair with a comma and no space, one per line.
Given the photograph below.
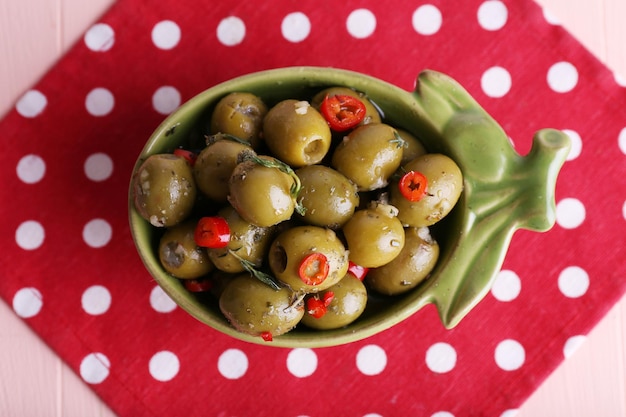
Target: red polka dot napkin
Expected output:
[70,270]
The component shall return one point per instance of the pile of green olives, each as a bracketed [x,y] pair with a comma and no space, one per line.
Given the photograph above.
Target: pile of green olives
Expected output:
[293,214]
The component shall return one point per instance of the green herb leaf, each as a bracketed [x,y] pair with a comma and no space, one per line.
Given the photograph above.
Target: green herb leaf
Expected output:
[267,279]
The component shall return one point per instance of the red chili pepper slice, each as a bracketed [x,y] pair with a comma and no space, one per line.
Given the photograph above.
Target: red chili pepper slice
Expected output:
[314,268]
[413,186]
[328,298]
[197,285]
[357,270]
[212,232]
[342,112]
[188,155]
[317,307]
[267,336]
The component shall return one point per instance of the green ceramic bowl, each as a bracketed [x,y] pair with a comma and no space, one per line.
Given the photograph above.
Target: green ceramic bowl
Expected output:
[503,192]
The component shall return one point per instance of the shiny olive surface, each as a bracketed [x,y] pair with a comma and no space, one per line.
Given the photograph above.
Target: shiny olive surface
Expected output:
[247,241]
[254,308]
[327,195]
[369,155]
[414,263]
[179,254]
[296,133]
[375,236]
[214,166]
[291,246]
[260,194]
[443,189]
[411,147]
[371,113]
[164,190]
[348,303]
[240,114]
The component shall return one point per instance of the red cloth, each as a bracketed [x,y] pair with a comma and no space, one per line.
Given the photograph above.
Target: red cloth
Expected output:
[69,267]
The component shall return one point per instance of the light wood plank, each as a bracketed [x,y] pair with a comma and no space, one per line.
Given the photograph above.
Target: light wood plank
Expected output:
[28,371]
[28,41]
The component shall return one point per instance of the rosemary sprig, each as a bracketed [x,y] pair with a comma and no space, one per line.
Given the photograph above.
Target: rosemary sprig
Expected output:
[398,140]
[296,187]
[210,139]
[267,279]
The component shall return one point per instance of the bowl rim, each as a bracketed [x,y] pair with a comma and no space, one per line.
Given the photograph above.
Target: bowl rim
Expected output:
[404,305]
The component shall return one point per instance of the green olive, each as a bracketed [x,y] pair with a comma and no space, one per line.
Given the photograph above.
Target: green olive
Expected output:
[369,155]
[247,242]
[348,303]
[374,236]
[371,113]
[240,114]
[179,254]
[414,263]
[412,147]
[215,165]
[261,194]
[296,133]
[290,248]
[327,195]
[254,308]
[164,190]
[443,189]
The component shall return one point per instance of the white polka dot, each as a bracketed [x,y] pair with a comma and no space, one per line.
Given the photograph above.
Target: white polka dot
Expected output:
[94,368]
[496,82]
[572,344]
[232,364]
[97,233]
[27,302]
[576,142]
[166,34]
[96,300]
[621,140]
[506,286]
[510,355]
[166,99]
[550,17]
[31,104]
[441,358]
[31,169]
[371,360]
[510,413]
[160,301]
[164,366]
[619,79]
[372,415]
[302,362]
[98,166]
[361,23]
[231,31]
[573,282]
[492,15]
[624,210]
[295,27]
[30,235]
[427,20]
[99,102]
[570,213]
[562,77]
[100,37]
[442,414]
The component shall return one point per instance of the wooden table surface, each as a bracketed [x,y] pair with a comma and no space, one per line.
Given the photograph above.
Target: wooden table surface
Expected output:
[35,382]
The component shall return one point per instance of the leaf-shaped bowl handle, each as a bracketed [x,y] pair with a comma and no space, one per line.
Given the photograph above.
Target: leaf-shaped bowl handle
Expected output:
[503,191]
